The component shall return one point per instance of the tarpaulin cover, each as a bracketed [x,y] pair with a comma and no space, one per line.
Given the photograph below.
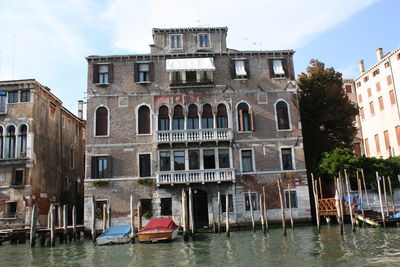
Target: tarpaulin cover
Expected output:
[118,230]
[161,224]
[396,215]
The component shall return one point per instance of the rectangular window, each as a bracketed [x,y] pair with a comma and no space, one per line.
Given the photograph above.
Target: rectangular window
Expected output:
[278,68]
[375,72]
[163,124]
[358,84]
[144,72]
[223,158]
[392,97]
[254,201]
[11,209]
[103,73]
[357,149]
[175,41]
[389,79]
[348,88]
[371,107]
[287,162]
[387,64]
[209,159]
[25,96]
[203,40]
[223,203]
[293,198]
[179,160]
[18,177]
[3,98]
[369,92]
[387,141]
[101,167]
[378,86]
[366,78]
[362,113]
[147,207]
[380,101]
[359,98]
[99,208]
[13,97]
[144,165]
[377,145]
[247,160]
[240,69]
[165,161]
[166,206]
[194,160]
[398,134]
[367,147]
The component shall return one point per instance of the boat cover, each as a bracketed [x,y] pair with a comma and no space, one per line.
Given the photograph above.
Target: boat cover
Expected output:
[160,224]
[117,230]
[396,215]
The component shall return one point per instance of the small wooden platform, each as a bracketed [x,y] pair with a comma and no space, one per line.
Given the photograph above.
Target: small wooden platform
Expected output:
[374,218]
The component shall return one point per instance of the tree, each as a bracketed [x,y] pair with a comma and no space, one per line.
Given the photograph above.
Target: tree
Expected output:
[338,160]
[326,112]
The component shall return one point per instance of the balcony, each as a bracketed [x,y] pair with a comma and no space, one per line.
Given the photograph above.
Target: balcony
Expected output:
[195,176]
[194,83]
[194,135]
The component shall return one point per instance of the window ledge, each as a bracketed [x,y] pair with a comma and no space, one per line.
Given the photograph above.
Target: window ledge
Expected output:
[245,132]
[176,49]
[278,78]
[102,84]
[149,134]
[240,79]
[145,82]
[101,136]
[284,130]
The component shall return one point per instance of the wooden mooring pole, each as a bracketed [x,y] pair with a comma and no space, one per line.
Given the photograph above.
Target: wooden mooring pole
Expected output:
[385,195]
[93,219]
[32,237]
[184,216]
[341,193]
[260,207]
[365,188]
[282,208]
[360,194]
[74,222]
[219,212]
[139,214]
[380,199]
[59,217]
[316,201]
[391,195]
[131,206]
[265,211]
[290,204]
[251,211]
[65,223]
[337,204]
[104,217]
[191,215]
[228,234]
[52,224]
[349,200]
[109,215]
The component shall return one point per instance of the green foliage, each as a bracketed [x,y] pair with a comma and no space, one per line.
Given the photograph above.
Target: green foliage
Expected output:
[337,160]
[145,181]
[147,215]
[326,112]
[101,182]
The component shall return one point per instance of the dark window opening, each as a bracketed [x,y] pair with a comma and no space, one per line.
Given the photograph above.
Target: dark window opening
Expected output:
[247,161]
[163,119]
[179,160]
[147,207]
[209,159]
[223,203]
[222,116]
[191,77]
[101,121]
[166,206]
[3,100]
[10,142]
[194,162]
[144,165]
[22,140]
[253,201]
[103,73]
[165,161]
[293,198]
[11,209]
[223,158]
[101,167]
[282,115]
[18,178]
[287,163]
[144,120]
[99,208]
[207,121]
[25,96]
[1,142]
[244,118]
[193,117]
[144,72]
[13,97]
[178,118]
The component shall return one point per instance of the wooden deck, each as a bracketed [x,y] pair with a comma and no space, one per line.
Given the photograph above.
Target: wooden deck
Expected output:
[327,207]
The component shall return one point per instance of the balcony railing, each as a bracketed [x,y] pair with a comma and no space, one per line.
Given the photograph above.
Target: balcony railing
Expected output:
[194,135]
[196,176]
[180,83]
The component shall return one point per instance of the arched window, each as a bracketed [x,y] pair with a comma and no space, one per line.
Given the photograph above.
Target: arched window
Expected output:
[282,115]
[222,116]
[193,117]
[163,118]
[22,135]
[178,119]
[1,142]
[101,121]
[245,118]
[207,117]
[10,142]
[144,120]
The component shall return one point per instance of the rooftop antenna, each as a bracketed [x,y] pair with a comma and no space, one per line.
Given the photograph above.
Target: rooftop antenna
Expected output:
[13,57]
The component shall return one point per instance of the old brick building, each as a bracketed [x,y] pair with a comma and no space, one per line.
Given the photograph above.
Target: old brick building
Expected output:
[193,113]
[41,152]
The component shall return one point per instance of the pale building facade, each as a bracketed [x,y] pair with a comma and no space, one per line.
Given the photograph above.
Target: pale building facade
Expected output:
[377,91]
[193,114]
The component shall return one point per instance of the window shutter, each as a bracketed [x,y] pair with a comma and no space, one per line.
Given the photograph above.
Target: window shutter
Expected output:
[136,72]
[111,73]
[251,119]
[93,167]
[247,68]
[271,68]
[285,67]
[233,71]
[151,66]
[240,119]
[95,73]
[109,167]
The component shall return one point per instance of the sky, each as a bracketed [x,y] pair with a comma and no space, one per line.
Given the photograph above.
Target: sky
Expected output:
[49,40]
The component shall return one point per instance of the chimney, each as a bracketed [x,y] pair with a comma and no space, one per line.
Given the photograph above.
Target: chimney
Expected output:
[80,109]
[379,54]
[362,67]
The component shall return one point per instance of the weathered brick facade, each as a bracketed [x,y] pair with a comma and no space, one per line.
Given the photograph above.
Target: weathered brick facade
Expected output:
[253,129]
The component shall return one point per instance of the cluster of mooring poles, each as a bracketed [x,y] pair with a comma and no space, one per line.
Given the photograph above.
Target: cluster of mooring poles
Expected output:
[355,209]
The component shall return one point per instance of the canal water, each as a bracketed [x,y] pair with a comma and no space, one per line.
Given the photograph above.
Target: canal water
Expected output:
[301,247]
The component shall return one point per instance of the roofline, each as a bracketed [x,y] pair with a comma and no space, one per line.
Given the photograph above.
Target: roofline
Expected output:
[197,54]
[73,115]
[388,55]
[190,29]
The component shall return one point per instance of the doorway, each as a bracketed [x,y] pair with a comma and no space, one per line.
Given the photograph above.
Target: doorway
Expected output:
[200,208]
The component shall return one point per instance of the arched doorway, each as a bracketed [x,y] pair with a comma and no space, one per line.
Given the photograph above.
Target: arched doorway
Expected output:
[200,208]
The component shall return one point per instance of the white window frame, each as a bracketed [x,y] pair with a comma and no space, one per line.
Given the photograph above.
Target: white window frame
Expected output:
[276,116]
[137,119]
[108,72]
[240,77]
[6,104]
[108,122]
[139,63]
[198,41]
[138,165]
[170,42]
[253,159]
[278,76]
[293,158]
[237,115]
[297,197]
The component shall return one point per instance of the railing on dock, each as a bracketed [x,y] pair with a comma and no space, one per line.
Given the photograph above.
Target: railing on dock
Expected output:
[195,176]
[327,206]
[194,135]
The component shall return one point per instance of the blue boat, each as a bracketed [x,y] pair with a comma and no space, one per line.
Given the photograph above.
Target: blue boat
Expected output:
[119,234]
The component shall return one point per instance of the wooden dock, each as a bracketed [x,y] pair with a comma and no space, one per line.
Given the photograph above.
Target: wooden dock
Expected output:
[374,218]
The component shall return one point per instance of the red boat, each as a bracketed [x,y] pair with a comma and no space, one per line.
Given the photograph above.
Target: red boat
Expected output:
[161,229]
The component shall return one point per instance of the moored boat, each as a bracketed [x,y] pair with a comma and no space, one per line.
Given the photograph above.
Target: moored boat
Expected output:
[118,234]
[161,229]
